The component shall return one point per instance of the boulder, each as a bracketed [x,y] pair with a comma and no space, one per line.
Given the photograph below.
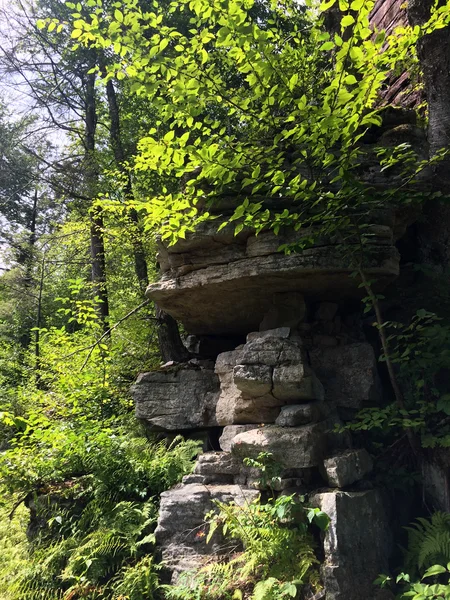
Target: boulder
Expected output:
[181,528]
[271,351]
[231,431]
[253,380]
[177,399]
[349,374]
[293,447]
[357,544]
[302,414]
[234,406]
[347,467]
[278,332]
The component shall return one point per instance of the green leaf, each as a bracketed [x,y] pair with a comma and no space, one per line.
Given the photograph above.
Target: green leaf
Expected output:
[293,81]
[347,20]
[434,570]
[350,80]
[169,136]
[327,46]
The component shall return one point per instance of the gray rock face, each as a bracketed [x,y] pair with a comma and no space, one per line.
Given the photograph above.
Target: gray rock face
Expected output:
[214,282]
[357,543]
[230,432]
[293,447]
[263,375]
[347,467]
[302,414]
[177,399]
[253,380]
[181,527]
[436,478]
[217,463]
[349,374]
[296,382]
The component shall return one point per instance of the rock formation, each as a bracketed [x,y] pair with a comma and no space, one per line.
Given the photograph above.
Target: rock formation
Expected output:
[280,361]
[283,392]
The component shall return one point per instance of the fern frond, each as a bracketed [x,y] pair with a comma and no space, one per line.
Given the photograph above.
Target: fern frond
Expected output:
[428,543]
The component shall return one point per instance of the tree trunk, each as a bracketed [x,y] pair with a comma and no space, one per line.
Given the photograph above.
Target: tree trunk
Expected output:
[140,262]
[96,217]
[170,344]
[434,56]
[26,258]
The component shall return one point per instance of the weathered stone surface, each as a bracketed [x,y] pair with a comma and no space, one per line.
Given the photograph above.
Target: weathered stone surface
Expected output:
[193,478]
[176,399]
[253,380]
[292,448]
[214,283]
[302,414]
[349,374]
[296,382]
[233,406]
[436,480]
[347,467]
[271,351]
[278,332]
[217,463]
[181,522]
[357,543]
[229,432]
[258,378]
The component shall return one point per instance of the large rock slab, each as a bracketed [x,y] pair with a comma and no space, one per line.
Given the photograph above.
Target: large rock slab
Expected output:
[217,463]
[215,283]
[357,544]
[349,374]
[291,447]
[178,398]
[181,528]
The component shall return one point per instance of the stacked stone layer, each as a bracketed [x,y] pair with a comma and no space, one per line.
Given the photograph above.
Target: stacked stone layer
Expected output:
[268,396]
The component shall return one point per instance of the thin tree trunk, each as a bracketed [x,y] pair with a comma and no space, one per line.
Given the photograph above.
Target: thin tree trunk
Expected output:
[96,216]
[37,338]
[140,262]
[399,399]
[27,258]
[170,343]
